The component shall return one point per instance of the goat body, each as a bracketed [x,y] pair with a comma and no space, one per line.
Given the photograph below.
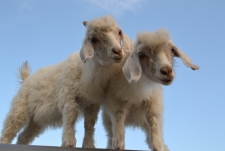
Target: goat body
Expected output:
[133,105]
[134,97]
[56,95]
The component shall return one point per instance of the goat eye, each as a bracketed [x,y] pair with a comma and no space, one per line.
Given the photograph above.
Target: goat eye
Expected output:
[94,40]
[141,56]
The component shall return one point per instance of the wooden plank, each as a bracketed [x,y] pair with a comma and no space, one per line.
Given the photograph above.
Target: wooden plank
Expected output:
[12,147]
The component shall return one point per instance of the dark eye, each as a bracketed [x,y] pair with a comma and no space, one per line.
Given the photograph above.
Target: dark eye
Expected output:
[94,40]
[141,56]
[120,32]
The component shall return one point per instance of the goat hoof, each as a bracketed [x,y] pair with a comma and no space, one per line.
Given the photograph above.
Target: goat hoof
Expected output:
[88,142]
[118,144]
[158,147]
[69,143]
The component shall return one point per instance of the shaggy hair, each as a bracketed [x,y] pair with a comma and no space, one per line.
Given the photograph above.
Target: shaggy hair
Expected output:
[104,24]
[153,40]
[57,95]
[136,99]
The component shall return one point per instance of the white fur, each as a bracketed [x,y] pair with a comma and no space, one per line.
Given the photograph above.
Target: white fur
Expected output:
[140,104]
[56,95]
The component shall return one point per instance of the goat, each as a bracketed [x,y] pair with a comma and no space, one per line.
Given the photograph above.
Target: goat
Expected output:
[134,96]
[57,95]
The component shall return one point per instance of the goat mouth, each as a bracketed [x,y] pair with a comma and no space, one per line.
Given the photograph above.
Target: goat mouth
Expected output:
[116,59]
[165,81]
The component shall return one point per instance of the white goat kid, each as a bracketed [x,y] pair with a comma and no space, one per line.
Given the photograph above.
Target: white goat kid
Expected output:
[56,95]
[139,102]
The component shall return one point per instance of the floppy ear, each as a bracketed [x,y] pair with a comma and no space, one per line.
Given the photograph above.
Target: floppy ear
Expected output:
[186,60]
[132,68]
[86,51]
[126,43]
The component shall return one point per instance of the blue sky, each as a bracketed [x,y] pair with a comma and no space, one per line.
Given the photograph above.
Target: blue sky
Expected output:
[46,32]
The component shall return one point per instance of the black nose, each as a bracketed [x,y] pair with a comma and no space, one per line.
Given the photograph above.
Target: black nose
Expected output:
[166,70]
[117,51]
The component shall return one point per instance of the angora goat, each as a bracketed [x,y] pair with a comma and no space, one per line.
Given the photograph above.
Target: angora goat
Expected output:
[56,95]
[136,99]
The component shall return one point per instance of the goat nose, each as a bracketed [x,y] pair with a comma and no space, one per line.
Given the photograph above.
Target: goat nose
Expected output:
[117,51]
[166,70]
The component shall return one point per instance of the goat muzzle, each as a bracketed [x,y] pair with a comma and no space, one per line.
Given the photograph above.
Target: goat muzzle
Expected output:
[166,71]
[117,51]
[117,54]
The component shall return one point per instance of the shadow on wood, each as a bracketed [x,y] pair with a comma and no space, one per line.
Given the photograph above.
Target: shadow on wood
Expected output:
[12,147]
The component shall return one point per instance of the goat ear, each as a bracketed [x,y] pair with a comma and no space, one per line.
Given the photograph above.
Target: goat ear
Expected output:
[126,43]
[186,60]
[85,23]
[132,68]
[86,51]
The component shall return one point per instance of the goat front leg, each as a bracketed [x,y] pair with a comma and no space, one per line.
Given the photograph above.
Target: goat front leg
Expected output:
[108,128]
[154,127]
[118,120]
[90,118]
[70,112]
